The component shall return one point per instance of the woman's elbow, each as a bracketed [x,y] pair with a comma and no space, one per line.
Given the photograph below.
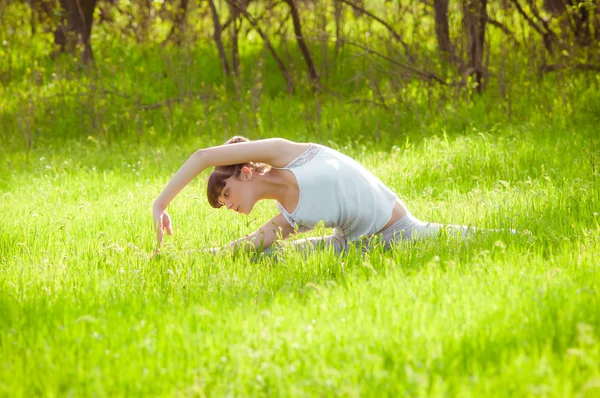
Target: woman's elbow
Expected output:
[199,153]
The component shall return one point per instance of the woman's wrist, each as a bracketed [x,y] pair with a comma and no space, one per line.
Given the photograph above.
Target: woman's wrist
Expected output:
[160,205]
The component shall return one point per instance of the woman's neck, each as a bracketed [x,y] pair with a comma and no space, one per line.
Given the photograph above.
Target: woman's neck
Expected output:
[280,185]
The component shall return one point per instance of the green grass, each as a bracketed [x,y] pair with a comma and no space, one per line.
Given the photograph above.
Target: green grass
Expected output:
[85,309]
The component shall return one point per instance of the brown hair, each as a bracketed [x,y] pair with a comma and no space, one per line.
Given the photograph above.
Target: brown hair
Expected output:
[216,181]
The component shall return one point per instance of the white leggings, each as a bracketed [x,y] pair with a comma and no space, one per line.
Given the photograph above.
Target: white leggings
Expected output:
[407,228]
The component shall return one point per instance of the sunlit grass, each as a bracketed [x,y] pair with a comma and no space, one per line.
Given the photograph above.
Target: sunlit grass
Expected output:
[85,308]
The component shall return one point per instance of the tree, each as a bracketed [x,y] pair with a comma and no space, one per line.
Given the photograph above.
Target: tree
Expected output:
[217,37]
[75,27]
[442,31]
[312,71]
[475,18]
[178,28]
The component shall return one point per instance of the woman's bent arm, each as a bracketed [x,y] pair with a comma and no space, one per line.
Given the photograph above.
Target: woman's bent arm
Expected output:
[276,152]
[263,237]
[186,173]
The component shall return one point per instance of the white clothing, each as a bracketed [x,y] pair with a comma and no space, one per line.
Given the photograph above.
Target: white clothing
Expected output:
[407,228]
[336,189]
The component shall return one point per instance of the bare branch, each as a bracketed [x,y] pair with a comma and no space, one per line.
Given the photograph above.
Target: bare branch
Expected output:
[103,92]
[582,67]
[217,37]
[500,26]
[547,35]
[527,18]
[258,19]
[366,101]
[312,70]
[381,21]
[544,23]
[284,71]
[425,74]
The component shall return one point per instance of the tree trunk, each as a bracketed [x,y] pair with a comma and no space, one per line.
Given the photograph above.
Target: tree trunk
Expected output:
[286,74]
[337,6]
[475,17]
[144,17]
[77,28]
[442,30]
[581,25]
[33,9]
[177,30]
[235,52]
[554,7]
[217,37]
[235,31]
[312,71]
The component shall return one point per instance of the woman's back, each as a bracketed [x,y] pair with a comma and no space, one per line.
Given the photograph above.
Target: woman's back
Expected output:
[336,189]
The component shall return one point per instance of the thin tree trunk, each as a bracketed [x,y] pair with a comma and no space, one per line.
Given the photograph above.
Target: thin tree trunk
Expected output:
[235,31]
[442,31]
[236,22]
[177,30]
[217,37]
[145,19]
[337,5]
[77,28]
[581,17]
[235,52]
[32,4]
[475,18]
[312,71]
[288,77]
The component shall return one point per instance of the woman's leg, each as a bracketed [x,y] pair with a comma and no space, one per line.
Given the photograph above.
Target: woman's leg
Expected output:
[336,240]
[411,228]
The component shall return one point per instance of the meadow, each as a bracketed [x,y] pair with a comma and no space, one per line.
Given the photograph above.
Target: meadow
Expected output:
[87,309]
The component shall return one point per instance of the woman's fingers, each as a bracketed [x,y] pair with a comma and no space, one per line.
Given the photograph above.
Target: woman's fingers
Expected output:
[167,224]
[158,227]
[162,222]
[159,234]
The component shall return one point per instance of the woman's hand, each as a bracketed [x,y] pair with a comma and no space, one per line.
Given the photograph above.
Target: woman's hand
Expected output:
[214,250]
[208,250]
[162,221]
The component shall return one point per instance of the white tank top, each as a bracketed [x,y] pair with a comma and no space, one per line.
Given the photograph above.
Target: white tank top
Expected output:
[336,189]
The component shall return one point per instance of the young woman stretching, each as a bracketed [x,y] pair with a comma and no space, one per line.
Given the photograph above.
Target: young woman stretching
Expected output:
[309,182]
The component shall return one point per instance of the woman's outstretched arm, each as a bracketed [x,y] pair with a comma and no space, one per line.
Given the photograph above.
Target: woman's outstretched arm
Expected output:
[261,239]
[277,152]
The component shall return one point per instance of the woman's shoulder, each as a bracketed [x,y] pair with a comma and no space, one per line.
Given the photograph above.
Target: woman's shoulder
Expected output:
[296,154]
[309,153]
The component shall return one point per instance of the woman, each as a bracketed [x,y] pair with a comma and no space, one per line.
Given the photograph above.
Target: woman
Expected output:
[309,182]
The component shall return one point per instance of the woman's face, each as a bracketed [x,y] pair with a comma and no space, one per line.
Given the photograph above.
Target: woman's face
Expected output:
[237,193]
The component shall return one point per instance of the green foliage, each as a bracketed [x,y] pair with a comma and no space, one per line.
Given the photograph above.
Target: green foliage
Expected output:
[86,309]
